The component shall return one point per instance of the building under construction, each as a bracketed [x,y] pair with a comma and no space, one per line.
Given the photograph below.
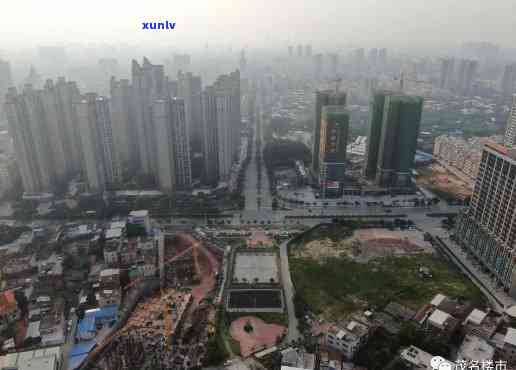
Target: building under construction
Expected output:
[181,271]
[152,335]
[179,265]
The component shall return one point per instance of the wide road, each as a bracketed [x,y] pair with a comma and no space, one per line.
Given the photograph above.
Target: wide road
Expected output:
[288,288]
[257,195]
[251,180]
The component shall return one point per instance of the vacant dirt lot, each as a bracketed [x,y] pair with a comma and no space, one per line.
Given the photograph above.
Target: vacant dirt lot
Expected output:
[366,244]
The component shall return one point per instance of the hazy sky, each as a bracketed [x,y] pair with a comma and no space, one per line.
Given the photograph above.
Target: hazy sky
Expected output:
[398,23]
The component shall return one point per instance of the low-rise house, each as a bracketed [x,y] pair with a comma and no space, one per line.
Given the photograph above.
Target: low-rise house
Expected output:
[346,339]
[442,323]
[297,359]
[50,274]
[110,292]
[507,346]
[451,306]
[418,359]
[46,320]
[482,324]
[19,266]
[474,348]
[112,245]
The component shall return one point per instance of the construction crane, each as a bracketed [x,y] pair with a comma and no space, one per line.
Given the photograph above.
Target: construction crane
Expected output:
[195,254]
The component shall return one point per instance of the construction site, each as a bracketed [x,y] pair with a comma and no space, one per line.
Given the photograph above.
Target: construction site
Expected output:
[444,183]
[170,329]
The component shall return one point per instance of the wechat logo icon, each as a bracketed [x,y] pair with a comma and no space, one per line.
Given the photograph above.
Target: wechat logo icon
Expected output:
[439,363]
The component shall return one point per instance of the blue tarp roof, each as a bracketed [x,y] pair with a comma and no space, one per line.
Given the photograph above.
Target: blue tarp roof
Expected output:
[82,347]
[88,323]
[108,312]
[76,361]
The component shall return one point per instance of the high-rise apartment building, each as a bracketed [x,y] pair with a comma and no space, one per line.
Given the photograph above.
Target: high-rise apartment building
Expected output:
[125,140]
[42,124]
[6,81]
[242,62]
[333,64]
[33,79]
[210,174]
[318,65]
[189,88]
[393,130]
[487,229]
[172,145]
[382,57]
[221,126]
[181,63]
[149,84]
[308,50]
[333,144]
[67,93]
[508,80]
[323,98]
[373,57]
[31,143]
[510,130]
[290,51]
[466,72]
[100,165]
[55,129]
[446,73]
[299,50]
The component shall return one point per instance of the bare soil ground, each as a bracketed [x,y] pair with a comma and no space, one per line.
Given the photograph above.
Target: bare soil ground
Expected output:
[262,336]
[366,244]
[439,179]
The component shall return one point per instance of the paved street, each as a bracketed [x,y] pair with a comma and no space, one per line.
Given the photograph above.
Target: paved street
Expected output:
[251,181]
[496,295]
[288,288]
[256,197]
[70,340]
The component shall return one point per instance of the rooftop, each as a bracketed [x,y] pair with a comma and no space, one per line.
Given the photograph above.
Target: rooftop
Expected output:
[439,317]
[139,213]
[474,348]
[109,272]
[476,317]
[438,299]
[114,233]
[40,359]
[510,336]
[419,358]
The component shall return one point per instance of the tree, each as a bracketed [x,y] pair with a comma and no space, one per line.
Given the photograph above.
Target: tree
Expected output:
[22,302]
[248,328]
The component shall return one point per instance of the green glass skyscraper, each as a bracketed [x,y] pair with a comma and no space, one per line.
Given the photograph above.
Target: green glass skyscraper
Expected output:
[394,128]
[322,98]
[375,132]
